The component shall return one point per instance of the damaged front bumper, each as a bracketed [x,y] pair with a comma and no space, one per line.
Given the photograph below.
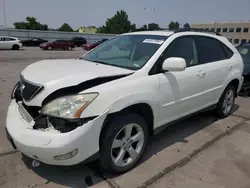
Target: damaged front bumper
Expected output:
[45,146]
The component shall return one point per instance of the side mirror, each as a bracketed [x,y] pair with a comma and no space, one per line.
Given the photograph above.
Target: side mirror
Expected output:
[174,64]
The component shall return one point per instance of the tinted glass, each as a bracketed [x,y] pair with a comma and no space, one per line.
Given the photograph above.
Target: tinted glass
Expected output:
[218,30]
[227,51]
[8,39]
[231,30]
[236,41]
[245,30]
[183,47]
[210,50]
[224,29]
[126,51]
[243,41]
[238,30]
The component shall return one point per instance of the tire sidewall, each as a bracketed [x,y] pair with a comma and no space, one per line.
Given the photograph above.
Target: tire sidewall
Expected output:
[15,47]
[110,133]
[220,104]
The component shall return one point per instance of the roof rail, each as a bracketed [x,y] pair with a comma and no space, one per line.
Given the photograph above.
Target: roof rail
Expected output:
[196,30]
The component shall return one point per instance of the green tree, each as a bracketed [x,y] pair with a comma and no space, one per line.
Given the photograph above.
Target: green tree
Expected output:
[30,24]
[65,27]
[173,25]
[117,24]
[186,25]
[153,27]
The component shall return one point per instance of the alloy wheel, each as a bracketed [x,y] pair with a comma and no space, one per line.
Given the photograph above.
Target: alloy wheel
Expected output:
[228,101]
[127,145]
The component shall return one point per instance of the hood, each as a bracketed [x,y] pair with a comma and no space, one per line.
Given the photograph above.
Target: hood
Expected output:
[57,74]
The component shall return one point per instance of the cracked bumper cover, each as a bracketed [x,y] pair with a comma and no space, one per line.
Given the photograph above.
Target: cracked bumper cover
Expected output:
[43,146]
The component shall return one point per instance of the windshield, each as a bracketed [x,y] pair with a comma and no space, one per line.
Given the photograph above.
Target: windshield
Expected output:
[126,51]
[245,53]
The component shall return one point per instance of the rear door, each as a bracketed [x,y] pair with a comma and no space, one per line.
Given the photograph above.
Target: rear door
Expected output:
[58,44]
[216,66]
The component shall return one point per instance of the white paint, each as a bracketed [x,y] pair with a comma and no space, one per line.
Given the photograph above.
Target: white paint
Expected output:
[9,44]
[171,95]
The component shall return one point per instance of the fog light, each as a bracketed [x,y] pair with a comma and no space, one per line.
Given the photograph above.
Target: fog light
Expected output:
[67,155]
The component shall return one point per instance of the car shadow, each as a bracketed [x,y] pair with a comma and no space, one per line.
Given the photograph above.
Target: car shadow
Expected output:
[91,174]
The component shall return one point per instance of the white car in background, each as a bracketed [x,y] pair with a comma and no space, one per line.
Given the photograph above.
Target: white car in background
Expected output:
[108,102]
[10,43]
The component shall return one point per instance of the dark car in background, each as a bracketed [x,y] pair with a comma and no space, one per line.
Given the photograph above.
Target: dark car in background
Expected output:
[244,50]
[91,46]
[78,41]
[58,44]
[33,42]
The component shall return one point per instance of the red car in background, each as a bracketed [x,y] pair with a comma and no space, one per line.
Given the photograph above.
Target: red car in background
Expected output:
[58,44]
[91,46]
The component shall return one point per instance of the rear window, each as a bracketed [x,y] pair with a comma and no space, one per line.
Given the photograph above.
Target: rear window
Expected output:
[229,53]
[208,46]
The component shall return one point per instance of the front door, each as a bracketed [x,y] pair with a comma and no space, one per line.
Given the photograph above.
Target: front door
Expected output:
[182,92]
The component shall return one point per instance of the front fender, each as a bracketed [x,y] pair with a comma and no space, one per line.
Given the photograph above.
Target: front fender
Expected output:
[136,98]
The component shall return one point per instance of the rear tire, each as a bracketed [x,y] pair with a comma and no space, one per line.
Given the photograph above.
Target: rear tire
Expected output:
[15,47]
[225,105]
[122,142]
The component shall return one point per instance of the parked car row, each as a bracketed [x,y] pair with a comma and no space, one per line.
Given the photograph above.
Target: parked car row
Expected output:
[14,43]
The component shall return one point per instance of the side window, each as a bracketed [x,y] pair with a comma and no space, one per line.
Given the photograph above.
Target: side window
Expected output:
[210,50]
[11,39]
[227,51]
[185,48]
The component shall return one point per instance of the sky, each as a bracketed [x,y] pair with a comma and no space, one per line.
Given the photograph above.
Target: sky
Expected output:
[95,12]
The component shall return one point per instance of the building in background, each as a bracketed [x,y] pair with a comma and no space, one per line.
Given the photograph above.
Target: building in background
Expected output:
[237,33]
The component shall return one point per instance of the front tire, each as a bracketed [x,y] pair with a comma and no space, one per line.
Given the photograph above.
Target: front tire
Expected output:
[15,47]
[226,102]
[123,142]
[49,47]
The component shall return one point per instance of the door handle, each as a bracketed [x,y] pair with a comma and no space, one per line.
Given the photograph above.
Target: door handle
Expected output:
[229,66]
[201,73]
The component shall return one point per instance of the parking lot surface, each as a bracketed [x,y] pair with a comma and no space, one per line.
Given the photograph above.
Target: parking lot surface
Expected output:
[196,152]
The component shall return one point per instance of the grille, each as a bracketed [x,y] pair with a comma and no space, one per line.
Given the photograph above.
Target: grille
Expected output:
[29,89]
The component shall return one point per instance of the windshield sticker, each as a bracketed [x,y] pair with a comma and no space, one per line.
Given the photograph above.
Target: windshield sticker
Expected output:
[153,41]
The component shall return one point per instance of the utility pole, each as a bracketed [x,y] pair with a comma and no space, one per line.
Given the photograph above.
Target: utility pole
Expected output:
[4,15]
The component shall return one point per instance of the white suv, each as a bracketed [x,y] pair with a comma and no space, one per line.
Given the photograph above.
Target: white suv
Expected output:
[10,43]
[108,102]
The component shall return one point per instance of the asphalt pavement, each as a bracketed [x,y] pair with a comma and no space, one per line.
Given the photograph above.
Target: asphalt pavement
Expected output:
[202,151]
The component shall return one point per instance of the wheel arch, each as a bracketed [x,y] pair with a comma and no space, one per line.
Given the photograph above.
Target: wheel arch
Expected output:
[141,108]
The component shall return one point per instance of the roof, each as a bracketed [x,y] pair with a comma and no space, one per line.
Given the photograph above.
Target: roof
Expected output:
[162,33]
[9,37]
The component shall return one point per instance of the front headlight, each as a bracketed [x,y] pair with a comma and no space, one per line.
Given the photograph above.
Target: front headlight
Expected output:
[69,106]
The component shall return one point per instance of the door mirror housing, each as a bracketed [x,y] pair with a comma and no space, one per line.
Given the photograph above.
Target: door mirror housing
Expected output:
[173,64]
